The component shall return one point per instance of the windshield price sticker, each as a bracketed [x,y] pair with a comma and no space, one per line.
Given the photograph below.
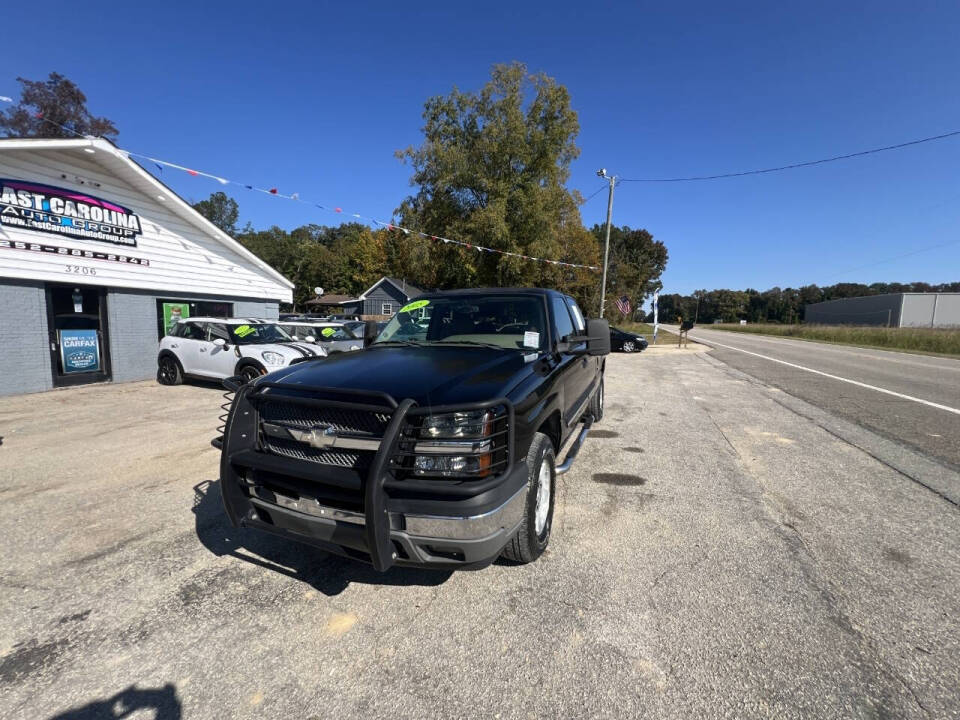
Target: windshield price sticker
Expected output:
[327,332]
[243,331]
[531,339]
[415,305]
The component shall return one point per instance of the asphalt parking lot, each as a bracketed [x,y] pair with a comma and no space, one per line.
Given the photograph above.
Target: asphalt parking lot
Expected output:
[716,552]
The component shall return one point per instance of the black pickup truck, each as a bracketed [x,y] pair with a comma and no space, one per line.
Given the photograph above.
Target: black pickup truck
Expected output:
[434,447]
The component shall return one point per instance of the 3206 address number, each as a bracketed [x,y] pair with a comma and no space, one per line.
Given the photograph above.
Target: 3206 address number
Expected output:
[81,270]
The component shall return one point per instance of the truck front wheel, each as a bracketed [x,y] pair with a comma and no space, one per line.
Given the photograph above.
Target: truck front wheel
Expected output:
[533,535]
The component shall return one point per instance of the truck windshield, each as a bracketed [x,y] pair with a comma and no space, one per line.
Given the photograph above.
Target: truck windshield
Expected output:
[512,323]
[258,334]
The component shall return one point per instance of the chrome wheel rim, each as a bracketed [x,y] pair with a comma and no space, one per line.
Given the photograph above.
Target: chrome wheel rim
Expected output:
[628,346]
[543,497]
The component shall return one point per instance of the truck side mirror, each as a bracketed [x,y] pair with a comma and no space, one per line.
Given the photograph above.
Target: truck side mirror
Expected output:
[598,337]
[220,342]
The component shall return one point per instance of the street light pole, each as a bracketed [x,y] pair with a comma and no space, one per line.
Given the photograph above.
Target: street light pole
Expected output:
[606,244]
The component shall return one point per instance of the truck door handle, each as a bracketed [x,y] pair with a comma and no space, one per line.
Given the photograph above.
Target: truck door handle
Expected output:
[203,349]
[174,345]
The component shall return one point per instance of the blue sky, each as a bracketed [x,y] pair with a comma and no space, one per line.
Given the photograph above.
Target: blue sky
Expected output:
[315,98]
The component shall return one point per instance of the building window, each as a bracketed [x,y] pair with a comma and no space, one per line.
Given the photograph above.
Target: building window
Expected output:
[169,311]
[386,309]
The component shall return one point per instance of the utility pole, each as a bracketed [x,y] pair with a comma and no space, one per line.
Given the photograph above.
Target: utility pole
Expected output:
[602,172]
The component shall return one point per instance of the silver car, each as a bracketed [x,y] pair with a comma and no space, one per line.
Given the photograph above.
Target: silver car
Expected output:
[331,336]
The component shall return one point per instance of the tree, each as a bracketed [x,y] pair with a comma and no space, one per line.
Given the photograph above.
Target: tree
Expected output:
[636,263]
[53,108]
[222,210]
[491,171]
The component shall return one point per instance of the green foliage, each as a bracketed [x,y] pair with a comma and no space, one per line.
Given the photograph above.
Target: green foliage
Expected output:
[49,106]
[635,265]
[941,341]
[345,259]
[222,210]
[491,171]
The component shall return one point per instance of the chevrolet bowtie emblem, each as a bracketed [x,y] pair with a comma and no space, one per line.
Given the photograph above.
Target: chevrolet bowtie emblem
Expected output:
[319,436]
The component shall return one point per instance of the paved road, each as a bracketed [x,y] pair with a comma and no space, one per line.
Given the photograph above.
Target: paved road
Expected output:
[931,430]
[715,554]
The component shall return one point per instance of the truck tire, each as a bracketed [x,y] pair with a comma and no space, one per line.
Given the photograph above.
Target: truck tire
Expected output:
[533,535]
[169,371]
[596,403]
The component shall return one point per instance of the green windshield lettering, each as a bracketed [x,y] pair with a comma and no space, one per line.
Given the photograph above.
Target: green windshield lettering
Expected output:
[327,332]
[243,331]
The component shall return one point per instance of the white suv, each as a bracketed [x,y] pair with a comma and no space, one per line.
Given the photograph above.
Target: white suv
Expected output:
[221,348]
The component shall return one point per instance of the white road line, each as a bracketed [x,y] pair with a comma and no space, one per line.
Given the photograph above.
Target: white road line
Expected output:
[955,411]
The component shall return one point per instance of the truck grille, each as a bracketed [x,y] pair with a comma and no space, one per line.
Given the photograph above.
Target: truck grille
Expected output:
[356,459]
[356,422]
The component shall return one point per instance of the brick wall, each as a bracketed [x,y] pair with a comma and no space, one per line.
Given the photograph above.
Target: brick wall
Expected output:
[24,341]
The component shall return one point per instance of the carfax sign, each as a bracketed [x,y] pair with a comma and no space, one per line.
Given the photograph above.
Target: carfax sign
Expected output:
[31,206]
[79,351]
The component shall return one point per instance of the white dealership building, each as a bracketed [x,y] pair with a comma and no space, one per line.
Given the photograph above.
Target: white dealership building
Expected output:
[98,257]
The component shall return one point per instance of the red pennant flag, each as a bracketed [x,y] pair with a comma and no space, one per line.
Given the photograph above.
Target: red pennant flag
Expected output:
[192,172]
[273,191]
[338,209]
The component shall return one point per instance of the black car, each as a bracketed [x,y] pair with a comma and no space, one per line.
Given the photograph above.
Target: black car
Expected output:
[436,446]
[626,341]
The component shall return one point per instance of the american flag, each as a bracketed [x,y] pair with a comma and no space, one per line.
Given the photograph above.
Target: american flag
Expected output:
[623,305]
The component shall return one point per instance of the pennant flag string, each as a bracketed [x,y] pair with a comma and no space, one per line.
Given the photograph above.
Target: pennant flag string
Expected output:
[295,197]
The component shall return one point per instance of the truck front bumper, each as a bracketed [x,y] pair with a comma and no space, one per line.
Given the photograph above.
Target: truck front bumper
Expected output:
[418,540]
[460,526]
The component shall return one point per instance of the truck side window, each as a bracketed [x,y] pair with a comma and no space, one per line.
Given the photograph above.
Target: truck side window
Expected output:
[561,317]
[578,320]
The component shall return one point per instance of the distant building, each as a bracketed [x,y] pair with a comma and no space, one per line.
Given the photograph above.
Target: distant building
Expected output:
[378,302]
[891,310]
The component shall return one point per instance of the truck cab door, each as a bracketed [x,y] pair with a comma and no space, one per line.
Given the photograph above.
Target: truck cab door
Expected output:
[575,370]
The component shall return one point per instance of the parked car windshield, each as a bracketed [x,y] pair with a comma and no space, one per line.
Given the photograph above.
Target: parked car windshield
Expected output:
[258,334]
[512,323]
[323,334]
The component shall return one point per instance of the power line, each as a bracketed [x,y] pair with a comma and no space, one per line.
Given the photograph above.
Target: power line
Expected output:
[795,165]
[593,195]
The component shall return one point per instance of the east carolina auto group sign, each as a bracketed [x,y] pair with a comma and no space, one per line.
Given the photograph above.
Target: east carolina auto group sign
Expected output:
[31,206]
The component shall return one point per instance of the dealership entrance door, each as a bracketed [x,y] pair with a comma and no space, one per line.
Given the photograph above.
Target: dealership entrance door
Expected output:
[79,344]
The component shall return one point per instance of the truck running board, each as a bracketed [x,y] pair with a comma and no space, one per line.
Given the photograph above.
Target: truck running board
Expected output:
[575,448]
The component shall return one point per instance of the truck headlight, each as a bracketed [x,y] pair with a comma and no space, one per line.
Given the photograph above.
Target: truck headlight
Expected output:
[471,423]
[467,444]
[273,358]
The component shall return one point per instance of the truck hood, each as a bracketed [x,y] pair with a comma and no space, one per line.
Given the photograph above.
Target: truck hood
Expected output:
[435,375]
